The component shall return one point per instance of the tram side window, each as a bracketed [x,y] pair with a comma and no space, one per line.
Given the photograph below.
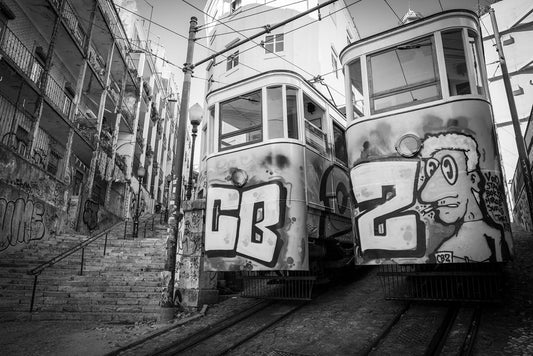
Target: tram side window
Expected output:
[455,59]
[241,121]
[473,46]
[356,79]
[404,75]
[292,112]
[339,144]
[314,116]
[275,112]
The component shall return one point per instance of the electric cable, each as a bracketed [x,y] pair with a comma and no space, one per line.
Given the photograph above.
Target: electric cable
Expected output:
[241,12]
[394,12]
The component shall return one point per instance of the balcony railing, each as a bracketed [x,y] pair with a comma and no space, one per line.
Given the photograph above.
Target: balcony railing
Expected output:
[15,134]
[96,62]
[86,128]
[57,94]
[69,15]
[21,56]
[30,66]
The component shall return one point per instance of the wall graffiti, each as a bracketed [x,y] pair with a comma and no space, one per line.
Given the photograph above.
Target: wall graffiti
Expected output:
[21,221]
[445,205]
[90,214]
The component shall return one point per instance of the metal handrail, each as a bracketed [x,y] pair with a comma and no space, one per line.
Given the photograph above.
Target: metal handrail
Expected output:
[80,246]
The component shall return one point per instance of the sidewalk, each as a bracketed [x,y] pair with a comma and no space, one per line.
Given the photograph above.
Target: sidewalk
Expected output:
[504,329]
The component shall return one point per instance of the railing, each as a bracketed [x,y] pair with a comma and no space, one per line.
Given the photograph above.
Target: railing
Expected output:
[147,224]
[96,62]
[81,246]
[21,56]
[71,19]
[56,93]
[86,129]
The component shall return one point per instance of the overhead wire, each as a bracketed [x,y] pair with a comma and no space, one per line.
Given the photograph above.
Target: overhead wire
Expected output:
[394,12]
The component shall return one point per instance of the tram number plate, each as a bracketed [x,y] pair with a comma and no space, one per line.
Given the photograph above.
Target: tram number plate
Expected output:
[444,257]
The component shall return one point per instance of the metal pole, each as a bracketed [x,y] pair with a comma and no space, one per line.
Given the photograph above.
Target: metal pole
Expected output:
[178,159]
[520,145]
[189,184]
[136,217]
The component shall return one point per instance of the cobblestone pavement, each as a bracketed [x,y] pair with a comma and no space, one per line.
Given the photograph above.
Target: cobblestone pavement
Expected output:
[343,324]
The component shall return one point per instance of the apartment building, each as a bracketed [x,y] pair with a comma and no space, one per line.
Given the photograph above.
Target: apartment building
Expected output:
[82,109]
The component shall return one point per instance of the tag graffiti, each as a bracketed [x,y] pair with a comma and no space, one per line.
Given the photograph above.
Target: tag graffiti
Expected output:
[245,221]
[21,221]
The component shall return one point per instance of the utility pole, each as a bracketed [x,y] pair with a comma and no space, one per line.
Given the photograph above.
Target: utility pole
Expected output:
[522,154]
[178,158]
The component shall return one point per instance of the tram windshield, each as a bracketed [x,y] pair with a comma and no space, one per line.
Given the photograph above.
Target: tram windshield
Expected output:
[241,120]
[404,74]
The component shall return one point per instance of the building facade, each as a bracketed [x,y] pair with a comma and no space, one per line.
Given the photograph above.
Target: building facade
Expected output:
[82,109]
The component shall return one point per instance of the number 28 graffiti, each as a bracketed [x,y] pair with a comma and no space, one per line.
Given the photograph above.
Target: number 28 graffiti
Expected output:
[246,222]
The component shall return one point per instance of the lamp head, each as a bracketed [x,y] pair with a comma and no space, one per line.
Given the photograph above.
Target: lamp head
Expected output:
[141,172]
[195,114]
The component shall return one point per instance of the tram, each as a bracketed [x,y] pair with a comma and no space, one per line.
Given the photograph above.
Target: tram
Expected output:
[422,151]
[277,184]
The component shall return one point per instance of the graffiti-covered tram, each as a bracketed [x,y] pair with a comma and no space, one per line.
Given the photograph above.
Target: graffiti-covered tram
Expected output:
[422,151]
[277,185]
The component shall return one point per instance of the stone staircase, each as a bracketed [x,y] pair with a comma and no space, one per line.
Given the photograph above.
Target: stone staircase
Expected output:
[122,286]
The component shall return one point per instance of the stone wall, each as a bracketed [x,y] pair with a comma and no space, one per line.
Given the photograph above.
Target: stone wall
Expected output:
[32,202]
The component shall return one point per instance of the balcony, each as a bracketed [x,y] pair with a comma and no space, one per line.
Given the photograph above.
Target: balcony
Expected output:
[30,66]
[71,19]
[22,57]
[58,96]
[97,63]
[15,133]
[86,128]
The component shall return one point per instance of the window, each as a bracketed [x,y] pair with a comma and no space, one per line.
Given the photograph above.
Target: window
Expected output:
[292,112]
[274,43]
[404,75]
[275,112]
[314,116]
[474,49]
[455,60]
[241,120]
[356,80]
[339,144]
[334,64]
[233,61]
[234,5]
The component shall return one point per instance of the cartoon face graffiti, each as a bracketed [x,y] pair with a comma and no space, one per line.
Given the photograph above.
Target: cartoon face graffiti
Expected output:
[453,189]
[452,183]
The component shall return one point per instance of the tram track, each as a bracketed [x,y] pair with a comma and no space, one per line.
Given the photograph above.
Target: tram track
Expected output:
[428,330]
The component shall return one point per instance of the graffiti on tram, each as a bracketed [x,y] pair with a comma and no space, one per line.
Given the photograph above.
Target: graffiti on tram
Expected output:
[444,205]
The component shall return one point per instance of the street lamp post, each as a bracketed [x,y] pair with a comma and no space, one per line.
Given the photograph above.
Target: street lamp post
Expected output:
[140,175]
[169,180]
[195,117]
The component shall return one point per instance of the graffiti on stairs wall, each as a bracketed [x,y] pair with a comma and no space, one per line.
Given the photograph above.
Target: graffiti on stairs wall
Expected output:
[90,214]
[21,221]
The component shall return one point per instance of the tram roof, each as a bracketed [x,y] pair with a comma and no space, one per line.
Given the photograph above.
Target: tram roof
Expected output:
[405,27]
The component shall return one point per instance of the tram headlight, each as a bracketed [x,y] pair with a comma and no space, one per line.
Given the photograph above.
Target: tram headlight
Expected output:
[408,145]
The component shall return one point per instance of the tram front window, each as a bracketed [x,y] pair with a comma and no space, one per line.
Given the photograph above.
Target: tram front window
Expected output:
[275,111]
[356,79]
[404,75]
[241,120]
[455,59]
[474,48]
